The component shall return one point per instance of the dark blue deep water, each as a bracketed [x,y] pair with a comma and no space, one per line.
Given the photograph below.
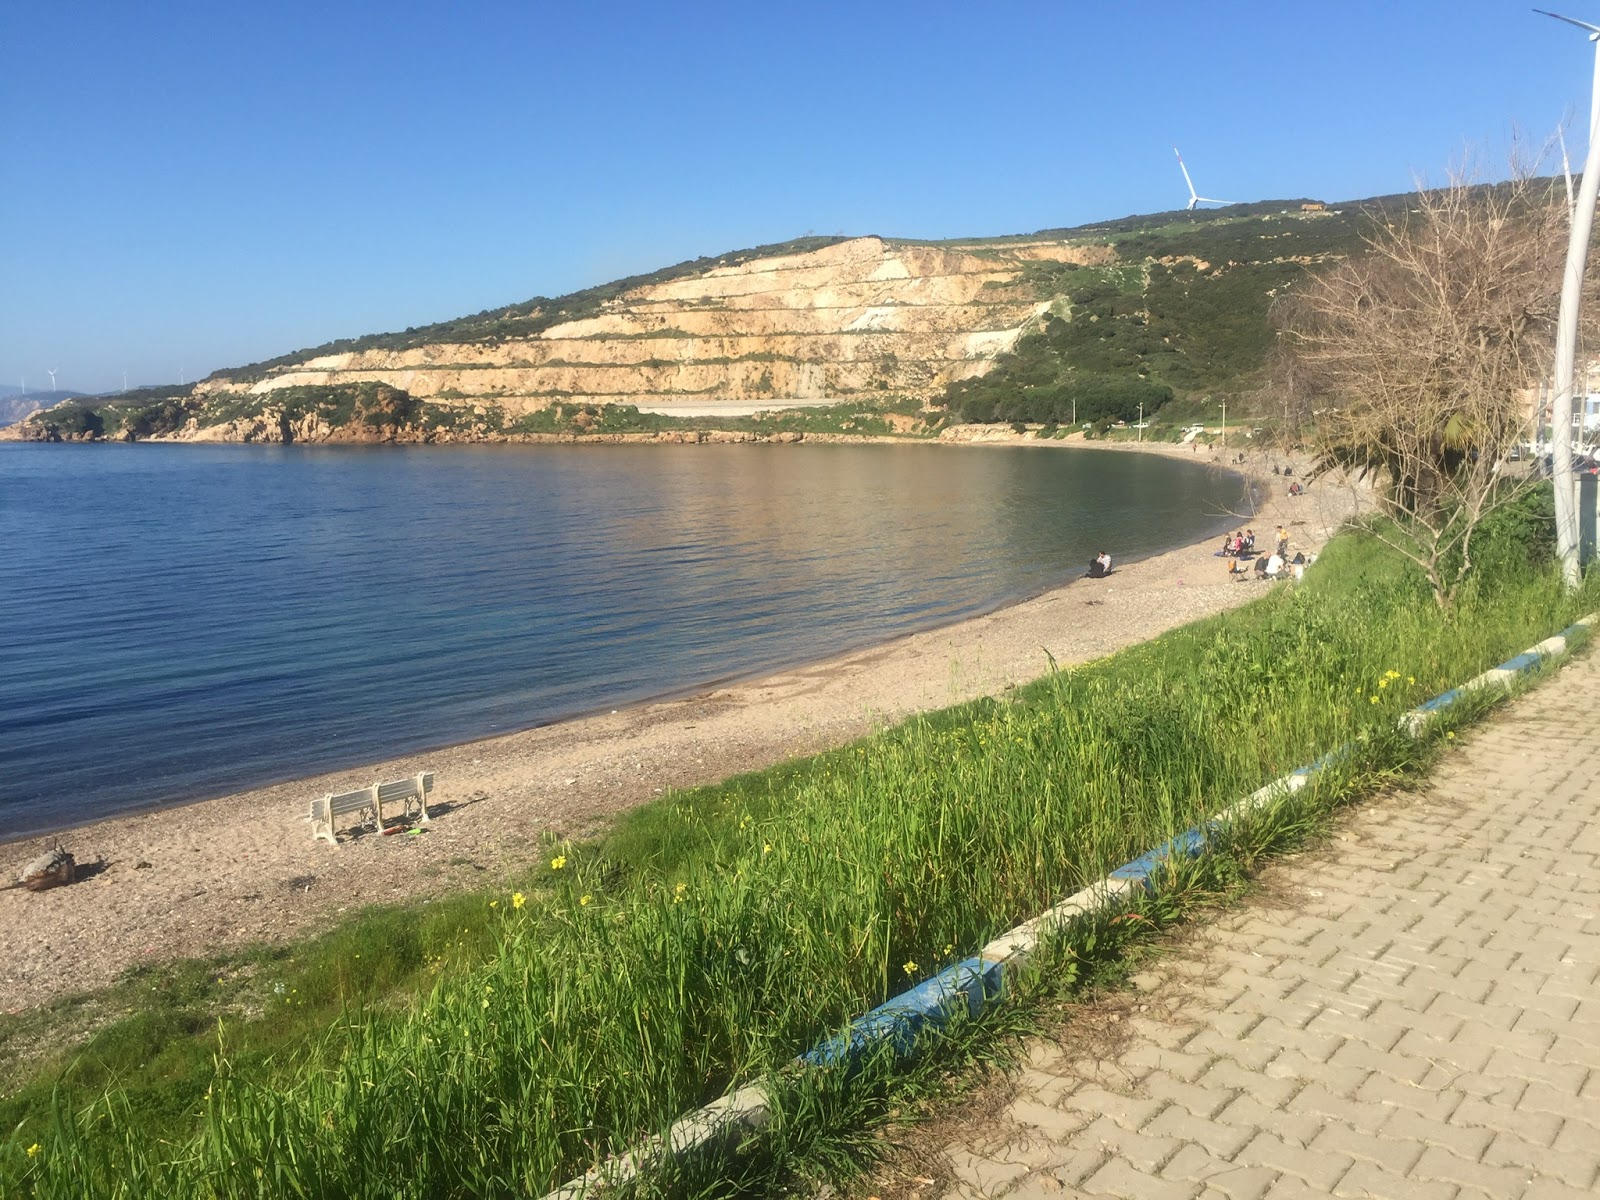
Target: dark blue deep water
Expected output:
[184,621]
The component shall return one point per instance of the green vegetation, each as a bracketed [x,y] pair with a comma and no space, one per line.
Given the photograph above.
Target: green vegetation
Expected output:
[1182,313]
[715,934]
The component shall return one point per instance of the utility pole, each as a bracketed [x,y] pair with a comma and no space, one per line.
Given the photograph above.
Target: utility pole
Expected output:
[1224,424]
[1567,327]
[1141,422]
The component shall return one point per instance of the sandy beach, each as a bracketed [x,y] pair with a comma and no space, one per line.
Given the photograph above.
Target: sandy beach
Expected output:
[244,868]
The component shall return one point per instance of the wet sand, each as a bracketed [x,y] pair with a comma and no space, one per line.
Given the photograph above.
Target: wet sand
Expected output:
[243,868]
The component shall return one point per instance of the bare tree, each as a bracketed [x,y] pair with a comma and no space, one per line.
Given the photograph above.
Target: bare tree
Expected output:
[1417,358]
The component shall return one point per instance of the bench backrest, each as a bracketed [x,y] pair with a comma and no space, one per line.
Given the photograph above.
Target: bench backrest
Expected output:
[332,806]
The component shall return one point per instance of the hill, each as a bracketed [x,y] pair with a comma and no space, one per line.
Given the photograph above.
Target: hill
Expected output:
[1087,322]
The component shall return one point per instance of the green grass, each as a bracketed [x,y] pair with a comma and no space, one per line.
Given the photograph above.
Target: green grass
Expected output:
[719,932]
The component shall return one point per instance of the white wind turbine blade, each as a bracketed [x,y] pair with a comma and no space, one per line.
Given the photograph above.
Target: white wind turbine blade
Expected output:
[1594,30]
[1194,197]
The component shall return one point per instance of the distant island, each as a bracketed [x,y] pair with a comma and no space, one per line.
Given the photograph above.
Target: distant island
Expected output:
[1087,327]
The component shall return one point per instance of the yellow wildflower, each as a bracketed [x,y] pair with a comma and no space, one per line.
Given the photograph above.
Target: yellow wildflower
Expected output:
[558,862]
[1374,699]
[1383,683]
[33,1150]
[494,904]
[677,892]
[584,899]
[766,847]
[1449,735]
[518,899]
[1411,679]
[910,968]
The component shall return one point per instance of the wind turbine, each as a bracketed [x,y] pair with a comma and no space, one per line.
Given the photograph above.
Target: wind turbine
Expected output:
[1194,196]
[52,373]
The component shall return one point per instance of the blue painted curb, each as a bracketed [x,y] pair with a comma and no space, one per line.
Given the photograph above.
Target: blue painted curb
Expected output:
[967,987]
[1188,844]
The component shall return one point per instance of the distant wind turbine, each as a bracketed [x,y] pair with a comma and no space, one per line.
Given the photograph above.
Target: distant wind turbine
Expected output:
[1194,196]
[52,373]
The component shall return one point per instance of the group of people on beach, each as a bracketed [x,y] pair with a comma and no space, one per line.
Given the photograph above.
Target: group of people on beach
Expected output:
[1295,489]
[1241,546]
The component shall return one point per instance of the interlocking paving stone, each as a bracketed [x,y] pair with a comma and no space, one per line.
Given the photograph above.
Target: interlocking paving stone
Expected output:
[1422,1019]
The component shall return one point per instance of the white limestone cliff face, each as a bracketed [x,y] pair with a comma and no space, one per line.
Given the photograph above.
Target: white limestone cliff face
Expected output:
[860,318]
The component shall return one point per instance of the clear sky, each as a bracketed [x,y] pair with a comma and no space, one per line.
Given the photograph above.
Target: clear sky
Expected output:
[188,186]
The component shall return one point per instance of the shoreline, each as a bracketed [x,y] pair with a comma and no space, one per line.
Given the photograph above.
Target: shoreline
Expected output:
[242,868]
[966,437]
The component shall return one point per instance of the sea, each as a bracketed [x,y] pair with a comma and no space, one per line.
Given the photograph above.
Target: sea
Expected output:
[179,621]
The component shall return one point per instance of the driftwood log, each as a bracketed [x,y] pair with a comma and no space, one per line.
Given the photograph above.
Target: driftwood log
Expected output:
[51,869]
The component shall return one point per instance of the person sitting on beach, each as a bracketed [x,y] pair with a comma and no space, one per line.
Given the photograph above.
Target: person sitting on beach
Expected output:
[1100,565]
[1227,547]
[1295,489]
[1249,546]
[1274,566]
[1261,568]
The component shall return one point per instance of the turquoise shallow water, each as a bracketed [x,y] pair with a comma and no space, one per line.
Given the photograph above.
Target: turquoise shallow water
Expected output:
[182,621]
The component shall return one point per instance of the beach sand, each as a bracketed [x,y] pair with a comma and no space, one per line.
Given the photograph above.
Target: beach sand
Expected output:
[223,873]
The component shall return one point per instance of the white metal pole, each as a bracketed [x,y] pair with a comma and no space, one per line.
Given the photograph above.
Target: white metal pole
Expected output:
[1567,341]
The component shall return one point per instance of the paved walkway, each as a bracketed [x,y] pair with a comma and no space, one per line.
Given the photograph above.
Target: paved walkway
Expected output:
[1413,1012]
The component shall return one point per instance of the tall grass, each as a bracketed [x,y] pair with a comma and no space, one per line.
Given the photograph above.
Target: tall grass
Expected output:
[779,907]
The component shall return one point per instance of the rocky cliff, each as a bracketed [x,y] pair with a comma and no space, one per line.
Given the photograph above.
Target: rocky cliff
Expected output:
[868,325]
[858,317]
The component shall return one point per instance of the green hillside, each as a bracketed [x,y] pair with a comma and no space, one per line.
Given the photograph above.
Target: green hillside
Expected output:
[1164,307]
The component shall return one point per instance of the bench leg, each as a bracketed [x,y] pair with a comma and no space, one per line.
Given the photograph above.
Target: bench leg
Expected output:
[422,799]
[322,823]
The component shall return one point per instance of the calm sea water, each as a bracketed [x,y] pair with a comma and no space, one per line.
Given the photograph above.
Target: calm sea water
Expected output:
[182,621]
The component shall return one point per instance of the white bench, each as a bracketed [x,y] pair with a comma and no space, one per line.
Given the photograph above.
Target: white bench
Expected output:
[369,803]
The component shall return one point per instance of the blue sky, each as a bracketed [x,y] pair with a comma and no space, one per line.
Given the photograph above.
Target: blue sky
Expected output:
[190,186]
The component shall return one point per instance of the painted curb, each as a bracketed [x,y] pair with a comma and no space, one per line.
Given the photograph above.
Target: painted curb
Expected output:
[974,983]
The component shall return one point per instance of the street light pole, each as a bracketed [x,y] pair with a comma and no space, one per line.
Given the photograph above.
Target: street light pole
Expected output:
[1224,424]
[1140,438]
[1567,327]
